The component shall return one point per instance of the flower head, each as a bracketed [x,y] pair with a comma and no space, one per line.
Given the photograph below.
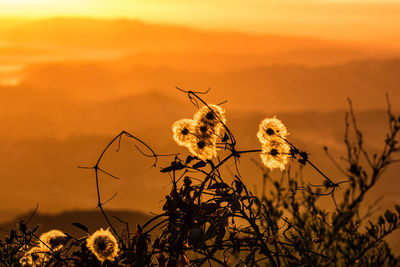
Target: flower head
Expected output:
[275,154]
[203,148]
[211,115]
[205,131]
[271,128]
[103,245]
[183,130]
[200,134]
[54,239]
[36,256]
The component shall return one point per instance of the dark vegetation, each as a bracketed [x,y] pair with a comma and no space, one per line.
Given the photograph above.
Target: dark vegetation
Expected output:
[211,217]
[92,219]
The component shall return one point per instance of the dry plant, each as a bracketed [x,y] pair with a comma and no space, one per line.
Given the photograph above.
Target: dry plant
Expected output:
[209,219]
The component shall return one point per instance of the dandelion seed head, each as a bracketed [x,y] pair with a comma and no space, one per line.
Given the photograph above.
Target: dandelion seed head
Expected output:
[204,149]
[103,245]
[271,128]
[36,256]
[213,115]
[183,130]
[275,154]
[54,239]
[200,134]
[205,131]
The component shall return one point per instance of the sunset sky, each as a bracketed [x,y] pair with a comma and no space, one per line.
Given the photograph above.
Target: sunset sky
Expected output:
[74,73]
[334,19]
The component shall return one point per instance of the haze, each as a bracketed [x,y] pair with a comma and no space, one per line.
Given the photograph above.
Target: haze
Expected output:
[369,20]
[73,74]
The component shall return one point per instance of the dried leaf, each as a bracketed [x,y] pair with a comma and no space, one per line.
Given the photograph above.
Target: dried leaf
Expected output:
[199,165]
[175,166]
[218,186]
[81,226]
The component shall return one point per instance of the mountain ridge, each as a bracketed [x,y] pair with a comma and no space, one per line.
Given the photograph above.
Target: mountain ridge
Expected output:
[136,35]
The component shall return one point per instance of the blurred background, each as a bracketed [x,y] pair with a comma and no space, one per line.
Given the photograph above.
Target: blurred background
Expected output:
[74,73]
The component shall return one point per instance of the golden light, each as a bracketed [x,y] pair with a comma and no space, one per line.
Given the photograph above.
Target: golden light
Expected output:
[17,2]
[322,18]
[48,8]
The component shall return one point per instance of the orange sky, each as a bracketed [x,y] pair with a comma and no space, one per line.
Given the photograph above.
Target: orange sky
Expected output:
[335,19]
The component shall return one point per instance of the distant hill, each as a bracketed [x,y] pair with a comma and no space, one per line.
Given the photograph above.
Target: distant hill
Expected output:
[93,220]
[43,168]
[178,46]
[49,113]
[323,55]
[137,35]
[269,88]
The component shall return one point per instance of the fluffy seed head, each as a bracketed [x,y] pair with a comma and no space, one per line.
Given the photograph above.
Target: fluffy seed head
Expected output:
[54,239]
[36,256]
[213,115]
[271,128]
[275,154]
[200,134]
[183,131]
[203,148]
[103,245]
[205,131]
